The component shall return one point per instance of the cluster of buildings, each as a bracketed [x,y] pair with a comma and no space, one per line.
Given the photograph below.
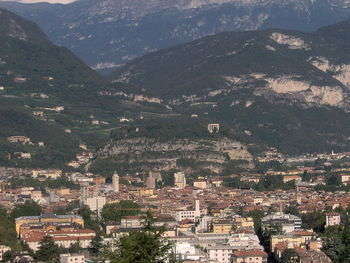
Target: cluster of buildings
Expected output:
[272,154]
[65,230]
[23,140]
[81,158]
[206,221]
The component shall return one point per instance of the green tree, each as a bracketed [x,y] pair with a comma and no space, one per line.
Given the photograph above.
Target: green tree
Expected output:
[315,221]
[143,246]
[29,208]
[332,180]
[96,245]
[8,256]
[333,248]
[289,256]
[114,212]
[8,235]
[332,244]
[168,178]
[75,248]
[233,182]
[257,215]
[89,221]
[344,253]
[48,250]
[306,177]
[292,209]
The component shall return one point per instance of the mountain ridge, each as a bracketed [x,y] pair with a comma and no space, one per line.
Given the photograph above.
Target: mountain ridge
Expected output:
[226,57]
[274,88]
[107,34]
[270,88]
[36,86]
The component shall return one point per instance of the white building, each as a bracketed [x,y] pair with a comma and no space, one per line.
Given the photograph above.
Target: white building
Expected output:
[286,222]
[49,174]
[245,241]
[204,223]
[22,155]
[131,222]
[95,203]
[345,178]
[3,250]
[115,183]
[72,258]
[187,250]
[62,238]
[190,214]
[151,181]
[333,219]
[213,127]
[180,180]
[221,254]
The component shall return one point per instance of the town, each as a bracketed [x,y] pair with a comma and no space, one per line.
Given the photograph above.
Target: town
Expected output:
[272,216]
[174,131]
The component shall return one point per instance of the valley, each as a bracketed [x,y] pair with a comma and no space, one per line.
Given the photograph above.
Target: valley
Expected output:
[201,144]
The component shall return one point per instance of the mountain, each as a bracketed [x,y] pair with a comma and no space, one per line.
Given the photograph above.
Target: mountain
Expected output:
[310,67]
[18,28]
[339,32]
[34,78]
[26,53]
[42,88]
[107,33]
[275,88]
[278,88]
[53,99]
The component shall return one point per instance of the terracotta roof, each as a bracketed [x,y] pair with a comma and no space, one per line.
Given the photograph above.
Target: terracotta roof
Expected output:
[186,221]
[332,214]
[281,246]
[303,233]
[249,253]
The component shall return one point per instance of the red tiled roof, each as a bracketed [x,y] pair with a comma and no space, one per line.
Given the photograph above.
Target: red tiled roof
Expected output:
[186,221]
[249,253]
[303,233]
[36,236]
[332,214]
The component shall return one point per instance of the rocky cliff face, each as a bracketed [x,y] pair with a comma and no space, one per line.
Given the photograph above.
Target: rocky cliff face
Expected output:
[151,154]
[340,71]
[302,67]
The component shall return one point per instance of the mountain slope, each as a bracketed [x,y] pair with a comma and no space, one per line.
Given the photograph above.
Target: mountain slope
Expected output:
[50,96]
[34,74]
[108,33]
[38,81]
[58,148]
[18,28]
[277,88]
[26,52]
[284,62]
[339,31]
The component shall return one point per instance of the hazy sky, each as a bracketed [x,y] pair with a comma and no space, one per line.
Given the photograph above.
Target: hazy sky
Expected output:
[48,1]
